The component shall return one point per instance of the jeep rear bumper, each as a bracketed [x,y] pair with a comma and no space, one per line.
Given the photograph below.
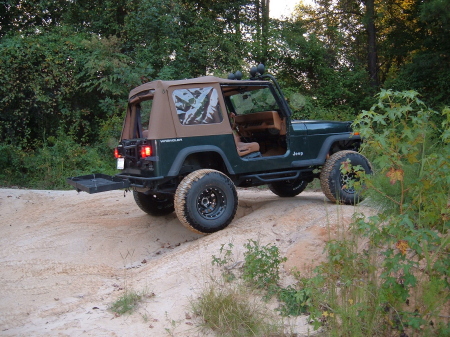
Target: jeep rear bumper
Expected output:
[97,182]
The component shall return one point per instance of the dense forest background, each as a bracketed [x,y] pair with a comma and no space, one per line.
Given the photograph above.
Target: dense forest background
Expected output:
[66,66]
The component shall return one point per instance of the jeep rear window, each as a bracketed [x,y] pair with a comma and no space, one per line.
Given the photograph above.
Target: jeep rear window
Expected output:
[138,115]
[145,109]
[197,106]
[252,101]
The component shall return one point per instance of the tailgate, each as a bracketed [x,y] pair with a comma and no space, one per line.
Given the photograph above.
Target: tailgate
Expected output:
[97,182]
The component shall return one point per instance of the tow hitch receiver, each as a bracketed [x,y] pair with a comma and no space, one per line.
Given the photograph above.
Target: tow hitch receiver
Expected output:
[97,182]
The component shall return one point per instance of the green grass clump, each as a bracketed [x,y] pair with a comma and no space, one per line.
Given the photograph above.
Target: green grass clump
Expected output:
[230,312]
[127,303]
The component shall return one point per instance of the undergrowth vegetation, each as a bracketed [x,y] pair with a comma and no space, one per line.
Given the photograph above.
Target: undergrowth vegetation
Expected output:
[407,243]
[387,274]
[231,310]
[231,305]
[52,162]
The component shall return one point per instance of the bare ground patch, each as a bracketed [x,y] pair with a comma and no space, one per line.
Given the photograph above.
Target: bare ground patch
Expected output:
[66,257]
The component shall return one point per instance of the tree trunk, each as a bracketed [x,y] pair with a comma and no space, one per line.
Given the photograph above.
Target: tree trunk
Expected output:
[265,30]
[372,43]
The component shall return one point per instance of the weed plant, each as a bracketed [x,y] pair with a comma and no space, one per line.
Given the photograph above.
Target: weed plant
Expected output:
[127,303]
[130,299]
[261,266]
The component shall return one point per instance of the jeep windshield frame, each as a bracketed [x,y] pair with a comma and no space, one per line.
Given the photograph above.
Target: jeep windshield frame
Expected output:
[252,101]
[252,90]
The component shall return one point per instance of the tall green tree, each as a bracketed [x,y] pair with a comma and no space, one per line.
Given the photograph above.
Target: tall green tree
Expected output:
[30,15]
[105,18]
[417,49]
[60,80]
[306,65]
[401,43]
[348,30]
[259,23]
[186,38]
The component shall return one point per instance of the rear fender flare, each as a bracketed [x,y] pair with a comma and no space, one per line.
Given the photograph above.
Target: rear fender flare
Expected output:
[183,154]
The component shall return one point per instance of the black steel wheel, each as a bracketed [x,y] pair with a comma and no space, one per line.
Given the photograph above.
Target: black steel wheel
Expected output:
[206,201]
[154,204]
[288,188]
[338,186]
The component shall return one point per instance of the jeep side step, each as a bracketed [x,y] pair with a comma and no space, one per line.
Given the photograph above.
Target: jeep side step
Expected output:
[276,176]
[97,182]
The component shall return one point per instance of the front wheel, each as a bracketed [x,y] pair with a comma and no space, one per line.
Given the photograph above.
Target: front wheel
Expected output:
[288,188]
[153,204]
[338,184]
[206,201]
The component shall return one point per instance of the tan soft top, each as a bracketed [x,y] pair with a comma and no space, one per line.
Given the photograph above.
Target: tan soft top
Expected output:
[166,84]
[164,121]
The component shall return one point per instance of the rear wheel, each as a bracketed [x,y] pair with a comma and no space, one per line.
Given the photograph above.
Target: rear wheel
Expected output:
[206,201]
[288,188]
[338,186]
[153,204]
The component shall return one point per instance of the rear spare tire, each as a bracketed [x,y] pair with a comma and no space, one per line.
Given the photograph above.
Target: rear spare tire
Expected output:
[337,185]
[206,201]
[153,204]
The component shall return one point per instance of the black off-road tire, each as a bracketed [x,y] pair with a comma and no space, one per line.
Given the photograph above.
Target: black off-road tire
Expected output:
[206,201]
[154,205]
[335,184]
[288,188]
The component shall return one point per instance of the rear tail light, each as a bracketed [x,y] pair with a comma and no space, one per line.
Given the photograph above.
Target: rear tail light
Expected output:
[116,153]
[146,151]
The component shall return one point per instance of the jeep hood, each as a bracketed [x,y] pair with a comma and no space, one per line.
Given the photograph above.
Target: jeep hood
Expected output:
[322,127]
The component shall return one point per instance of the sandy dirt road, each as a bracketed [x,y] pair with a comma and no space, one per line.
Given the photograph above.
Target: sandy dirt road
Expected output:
[66,256]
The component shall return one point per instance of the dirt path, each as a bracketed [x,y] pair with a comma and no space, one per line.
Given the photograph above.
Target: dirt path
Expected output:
[66,257]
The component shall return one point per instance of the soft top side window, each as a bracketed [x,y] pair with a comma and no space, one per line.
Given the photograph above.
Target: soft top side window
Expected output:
[197,106]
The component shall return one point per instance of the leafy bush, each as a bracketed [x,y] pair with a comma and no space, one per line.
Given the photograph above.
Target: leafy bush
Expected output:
[261,266]
[398,283]
[48,166]
[413,187]
[62,79]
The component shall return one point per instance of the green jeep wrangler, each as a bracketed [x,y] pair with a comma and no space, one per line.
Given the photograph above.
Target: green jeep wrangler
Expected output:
[187,144]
